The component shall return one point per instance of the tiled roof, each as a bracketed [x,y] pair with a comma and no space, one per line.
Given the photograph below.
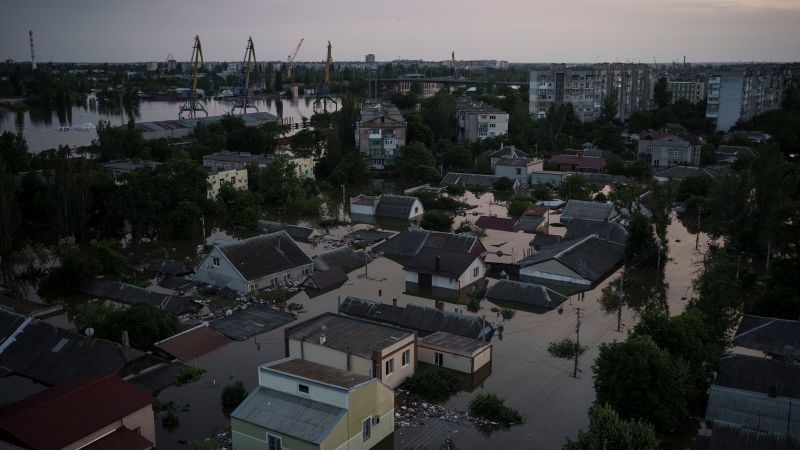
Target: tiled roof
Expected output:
[261,256]
[368,309]
[193,343]
[63,414]
[525,293]
[776,336]
[410,242]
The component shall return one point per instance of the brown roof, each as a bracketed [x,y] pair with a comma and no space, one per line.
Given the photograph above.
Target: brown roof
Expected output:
[192,343]
[361,337]
[318,372]
[452,343]
[536,210]
[122,439]
[496,223]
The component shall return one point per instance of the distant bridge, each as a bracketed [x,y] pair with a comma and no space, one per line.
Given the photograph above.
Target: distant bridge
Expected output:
[444,80]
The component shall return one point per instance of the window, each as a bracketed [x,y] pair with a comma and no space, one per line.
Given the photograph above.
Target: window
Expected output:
[519,171]
[274,442]
[366,428]
[215,261]
[302,388]
[438,358]
[406,357]
[390,366]
[475,272]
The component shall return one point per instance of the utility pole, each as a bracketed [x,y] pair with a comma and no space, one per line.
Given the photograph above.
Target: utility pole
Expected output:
[619,310]
[344,204]
[697,240]
[577,340]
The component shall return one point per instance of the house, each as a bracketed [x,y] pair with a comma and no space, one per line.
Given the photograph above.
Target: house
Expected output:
[478,120]
[496,223]
[345,258]
[525,294]
[411,242]
[120,167]
[387,206]
[756,393]
[226,160]
[423,319]
[520,169]
[255,263]
[583,262]
[300,404]
[235,178]
[662,149]
[468,180]
[364,205]
[98,412]
[506,152]
[444,269]
[549,177]
[367,348]
[380,133]
[610,231]
[588,210]
[778,337]
[533,218]
[128,294]
[326,279]
[579,163]
[729,154]
[188,345]
[294,231]
[454,352]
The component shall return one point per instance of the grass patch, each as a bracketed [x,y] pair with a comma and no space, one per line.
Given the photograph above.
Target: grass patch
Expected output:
[188,375]
[489,406]
[433,385]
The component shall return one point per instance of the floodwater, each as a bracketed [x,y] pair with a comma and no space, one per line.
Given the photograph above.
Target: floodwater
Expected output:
[540,387]
[41,128]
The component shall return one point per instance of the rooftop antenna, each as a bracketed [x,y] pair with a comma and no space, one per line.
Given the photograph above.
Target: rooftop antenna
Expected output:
[33,55]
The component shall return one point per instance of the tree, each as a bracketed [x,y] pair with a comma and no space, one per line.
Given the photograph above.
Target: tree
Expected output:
[541,192]
[490,406]
[413,161]
[575,187]
[503,184]
[612,302]
[642,382]
[608,431]
[241,206]
[517,207]
[68,198]
[10,220]
[75,271]
[610,107]
[278,182]
[434,384]
[661,94]
[14,154]
[436,221]
[641,246]
[566,349]
[233,394]
[144,323]
[708,156]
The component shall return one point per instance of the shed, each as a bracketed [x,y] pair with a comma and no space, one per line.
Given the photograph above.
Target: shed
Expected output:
[192,343]
[525,293]
[454,352]
[326,279]
[345,258]
[586,210]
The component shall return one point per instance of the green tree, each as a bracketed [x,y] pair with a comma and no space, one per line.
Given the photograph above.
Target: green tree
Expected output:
[69,197]
[708,156]
[610,107]
[144,323]
[661,94]
[503,184]
[607,430]
[278,182]
[541,192]
[517,207]
[575,187]
[10,220]
[233,394]
[14,154]
[641,247]
[75,271]
[413,160]
[642,382]
[437,221]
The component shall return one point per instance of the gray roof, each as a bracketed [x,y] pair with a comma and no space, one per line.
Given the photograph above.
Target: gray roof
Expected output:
[681,172]
[515,162]
[525,293]
[368,309]
[411,242]
[128,165]
[295,231]
[727,436]
[509,150]
[361,337]
[261,256]
[770,335]
[762,375]
[580,209]
[368,236]
[238,158]
[165,266]
[326,279]
[611,231]
[472,179]
[157,378]
[129,294]
[246,323]
[590,257]
[345,258]
[453,343]
[753,410]
[441,262]
[395,206]
[166,125]
[291,415]
[544,240]
[317,372]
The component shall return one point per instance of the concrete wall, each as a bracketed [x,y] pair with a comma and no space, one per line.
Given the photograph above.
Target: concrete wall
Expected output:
[247,436]
[395,353]
[481,359]
[366,210]
[367,402]
[553,179]
[237,178]
[455,284]
[730,100]
[450,360]
[322,393]
[511,173]
[314,352]
[142,419]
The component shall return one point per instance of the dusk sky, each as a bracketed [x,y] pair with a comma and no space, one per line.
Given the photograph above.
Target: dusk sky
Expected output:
[514,30]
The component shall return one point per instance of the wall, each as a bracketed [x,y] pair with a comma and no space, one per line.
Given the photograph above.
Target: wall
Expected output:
[322,393]
[482,358]
[468,278]
[553,179]
[314,352]
[372,400]
[450,360]
[223,276]
[366,210]
[511,172]
[142,419]
[730,100]
[281,278]
[395,352]
[553,270]
[247,436]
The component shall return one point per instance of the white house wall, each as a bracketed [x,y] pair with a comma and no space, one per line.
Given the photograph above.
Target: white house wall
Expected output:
[553,270]
[223,276]
[482,358]
[290,385]
[449,360]
[395,352]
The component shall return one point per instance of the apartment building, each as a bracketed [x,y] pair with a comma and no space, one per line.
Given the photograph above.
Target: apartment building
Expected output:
[478,120]
[380,132]
[690,91]
[236,178]
[740,94]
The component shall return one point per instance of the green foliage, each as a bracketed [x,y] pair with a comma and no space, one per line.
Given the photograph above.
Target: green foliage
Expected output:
[404,101]
[14,154]
[144,323]
[608,431]
[241,206]
[352,168]
[439,115]
[566,349]
[697,186]
[575,187]
[188,375]
[541,192]
[75,271]
[708,156]
[278,182]
[434,384]
[508,313]
[661,94]
[233,394]
[641,248]
[489,406]
[415,162]
[518,206]
[170,421]
[305,206]
[642,382]
[436,221]
[474,305]
[456,190]
[503,184]
[600,197]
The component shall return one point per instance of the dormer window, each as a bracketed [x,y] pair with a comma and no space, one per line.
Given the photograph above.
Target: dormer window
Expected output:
[302,388]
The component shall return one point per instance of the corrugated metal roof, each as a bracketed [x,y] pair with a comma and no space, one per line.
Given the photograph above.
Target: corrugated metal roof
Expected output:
[760,375]
[453,343]
[193,343]
[361,337]
[158,377]
[472,179]
[129,294]
[525,293]
[301,418]
[59,416]
[295,231]
[580,209]
[771,335]
[396,206]
[246,323]
[121,439]
[368,309]
[727,436]
[754,410]
[261,256]
[496,223]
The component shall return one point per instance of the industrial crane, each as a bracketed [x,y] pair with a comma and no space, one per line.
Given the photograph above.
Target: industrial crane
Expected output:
[290,60]
[242,91]
[193,104]
[321,104]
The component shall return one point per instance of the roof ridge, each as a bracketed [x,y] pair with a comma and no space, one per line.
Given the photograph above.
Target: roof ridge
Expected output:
[93,380]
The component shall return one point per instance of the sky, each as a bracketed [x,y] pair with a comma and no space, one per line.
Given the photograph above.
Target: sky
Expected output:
[513,30]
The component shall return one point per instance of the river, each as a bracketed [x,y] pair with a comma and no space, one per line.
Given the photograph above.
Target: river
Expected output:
[43,129]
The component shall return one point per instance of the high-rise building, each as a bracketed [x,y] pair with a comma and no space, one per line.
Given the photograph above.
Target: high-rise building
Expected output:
[740,94]
[381,131]
[370,58]
[690,91]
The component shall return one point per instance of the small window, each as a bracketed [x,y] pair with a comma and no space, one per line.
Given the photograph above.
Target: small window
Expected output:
[390,366]
[406,357]
[274,442]
[519,171]
[475,272]
[366,428]
[438,358]
[215,261]
[302,388]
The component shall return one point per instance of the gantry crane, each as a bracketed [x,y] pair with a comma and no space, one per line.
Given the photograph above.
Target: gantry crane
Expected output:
[321,104]
[290,60]
[242,91]
[193,105]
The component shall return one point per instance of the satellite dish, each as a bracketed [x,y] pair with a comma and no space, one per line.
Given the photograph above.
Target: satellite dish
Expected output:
[561,309]
[89,331]
[228,312]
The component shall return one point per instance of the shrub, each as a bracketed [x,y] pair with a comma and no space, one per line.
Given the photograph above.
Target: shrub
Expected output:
[507,313]
[233,395]
[504,184]
[434,384]
[456,189]
[517,207]
[474,305]
[566,348]
[489,406]
[188,375]
[170,421]
[436,221]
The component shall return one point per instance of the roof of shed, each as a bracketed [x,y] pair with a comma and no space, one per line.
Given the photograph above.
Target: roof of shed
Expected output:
[326,279]
[762,375]
[525,293]
[453,343]
[246,323]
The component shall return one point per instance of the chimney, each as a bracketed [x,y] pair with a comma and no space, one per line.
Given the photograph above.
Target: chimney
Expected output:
[438,261]
[125,341]
[394,302]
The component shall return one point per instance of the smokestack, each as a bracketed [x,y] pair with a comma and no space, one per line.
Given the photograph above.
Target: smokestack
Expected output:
[125,341]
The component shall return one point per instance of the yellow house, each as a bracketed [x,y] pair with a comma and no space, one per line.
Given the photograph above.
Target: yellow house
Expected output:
[237,178]
[302,405]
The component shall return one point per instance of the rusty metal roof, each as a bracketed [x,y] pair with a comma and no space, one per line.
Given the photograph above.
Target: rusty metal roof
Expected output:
[453,343]
[193,343]
[121,439]
[317,372]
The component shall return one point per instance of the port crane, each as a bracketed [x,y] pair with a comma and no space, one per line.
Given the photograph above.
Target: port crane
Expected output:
[321,104]
[290,60]
[242,91]
[193,104]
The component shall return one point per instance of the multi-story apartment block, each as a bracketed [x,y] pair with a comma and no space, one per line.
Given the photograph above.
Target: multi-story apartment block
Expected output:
[478,120]
[663,150]
[380,132]
[690,91]
[585,87]
[740,94]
